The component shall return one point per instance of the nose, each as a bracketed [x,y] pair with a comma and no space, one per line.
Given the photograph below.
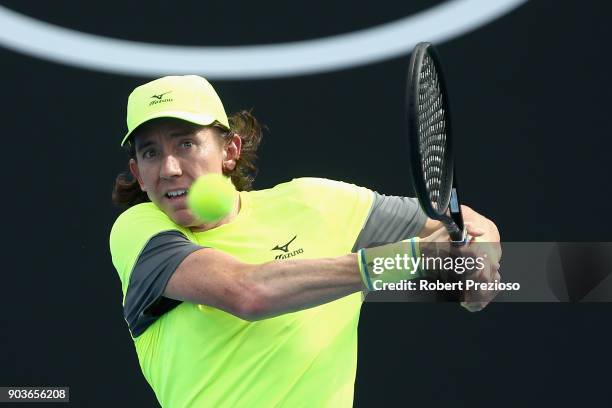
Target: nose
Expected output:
[170,167]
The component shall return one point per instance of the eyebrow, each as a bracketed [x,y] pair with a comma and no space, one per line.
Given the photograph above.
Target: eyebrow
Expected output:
[174,135]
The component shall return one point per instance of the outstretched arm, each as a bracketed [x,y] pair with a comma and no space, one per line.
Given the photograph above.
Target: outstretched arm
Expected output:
[254,292]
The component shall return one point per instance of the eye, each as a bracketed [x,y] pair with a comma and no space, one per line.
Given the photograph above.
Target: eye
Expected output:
[148,154]
[187,144]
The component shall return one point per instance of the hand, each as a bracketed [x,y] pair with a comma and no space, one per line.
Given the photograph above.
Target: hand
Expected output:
[437,245]
[490,232]
[486,247]
[476,300]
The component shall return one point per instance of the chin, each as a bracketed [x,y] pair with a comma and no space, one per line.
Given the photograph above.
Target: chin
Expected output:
[184,218]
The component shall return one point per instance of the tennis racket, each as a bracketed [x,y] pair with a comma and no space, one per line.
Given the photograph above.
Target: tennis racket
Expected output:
[430,142]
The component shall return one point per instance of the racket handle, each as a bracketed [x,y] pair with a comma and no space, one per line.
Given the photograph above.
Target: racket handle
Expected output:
[458,236]
[461,238]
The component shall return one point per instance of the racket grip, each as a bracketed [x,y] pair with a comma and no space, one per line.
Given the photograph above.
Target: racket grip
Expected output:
[459,237]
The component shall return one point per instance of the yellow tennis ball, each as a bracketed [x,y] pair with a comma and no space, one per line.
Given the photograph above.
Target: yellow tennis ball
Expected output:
[211,197]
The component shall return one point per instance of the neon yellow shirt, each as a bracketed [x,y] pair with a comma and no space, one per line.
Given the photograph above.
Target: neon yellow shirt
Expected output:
[196,356]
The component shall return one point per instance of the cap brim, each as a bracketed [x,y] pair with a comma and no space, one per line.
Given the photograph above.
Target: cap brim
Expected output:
[194,118]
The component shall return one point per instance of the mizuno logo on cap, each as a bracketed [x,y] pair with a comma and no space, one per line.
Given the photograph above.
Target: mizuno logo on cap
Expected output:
[158,98]
[160,95]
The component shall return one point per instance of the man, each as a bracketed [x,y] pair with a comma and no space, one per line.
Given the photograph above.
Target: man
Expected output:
[261,307]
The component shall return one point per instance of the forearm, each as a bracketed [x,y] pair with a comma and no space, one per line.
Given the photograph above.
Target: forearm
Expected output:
[292,285]
[256,291]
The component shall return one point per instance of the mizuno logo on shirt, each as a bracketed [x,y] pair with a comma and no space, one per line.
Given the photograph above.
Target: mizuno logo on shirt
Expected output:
[285,249]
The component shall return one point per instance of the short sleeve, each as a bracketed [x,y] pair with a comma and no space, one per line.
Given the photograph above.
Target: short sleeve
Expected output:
[391,219]
[146,247]
[144,301]
[131,232]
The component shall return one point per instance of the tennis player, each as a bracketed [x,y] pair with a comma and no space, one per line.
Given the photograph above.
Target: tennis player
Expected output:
[261,308]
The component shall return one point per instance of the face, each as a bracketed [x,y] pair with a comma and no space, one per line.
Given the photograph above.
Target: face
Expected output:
[171,154]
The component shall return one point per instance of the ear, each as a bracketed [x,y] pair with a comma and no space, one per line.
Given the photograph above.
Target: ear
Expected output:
[231,152]
[136,173]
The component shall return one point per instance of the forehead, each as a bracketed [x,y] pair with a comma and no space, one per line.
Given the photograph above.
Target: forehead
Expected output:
[163,127]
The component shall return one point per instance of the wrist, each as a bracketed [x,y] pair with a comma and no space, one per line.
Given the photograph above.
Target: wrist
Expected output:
[390,263]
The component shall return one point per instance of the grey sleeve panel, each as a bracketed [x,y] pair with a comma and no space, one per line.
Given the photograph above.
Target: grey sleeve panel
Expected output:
[391,219]
[144,302]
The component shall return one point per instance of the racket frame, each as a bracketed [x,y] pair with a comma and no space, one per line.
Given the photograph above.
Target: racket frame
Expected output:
[451,216]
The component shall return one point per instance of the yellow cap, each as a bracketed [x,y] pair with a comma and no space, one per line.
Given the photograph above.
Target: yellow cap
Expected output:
[187,97]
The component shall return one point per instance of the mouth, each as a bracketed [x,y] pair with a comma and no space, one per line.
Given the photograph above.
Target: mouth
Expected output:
[176,194]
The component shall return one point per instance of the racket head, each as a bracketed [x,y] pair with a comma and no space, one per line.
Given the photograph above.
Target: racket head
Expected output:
[429,132]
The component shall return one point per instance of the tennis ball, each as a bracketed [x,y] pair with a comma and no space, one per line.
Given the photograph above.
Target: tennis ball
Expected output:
[211,197]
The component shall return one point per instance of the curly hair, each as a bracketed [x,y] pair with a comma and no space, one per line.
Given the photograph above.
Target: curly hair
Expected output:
[127,192]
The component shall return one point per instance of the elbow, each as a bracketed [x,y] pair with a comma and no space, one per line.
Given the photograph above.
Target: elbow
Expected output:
[250,310]
[252,303]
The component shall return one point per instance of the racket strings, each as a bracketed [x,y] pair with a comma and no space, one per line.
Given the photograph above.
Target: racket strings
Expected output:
[432,131]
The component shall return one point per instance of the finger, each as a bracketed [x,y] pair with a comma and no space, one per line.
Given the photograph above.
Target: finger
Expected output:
[473,306]
[474,230]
